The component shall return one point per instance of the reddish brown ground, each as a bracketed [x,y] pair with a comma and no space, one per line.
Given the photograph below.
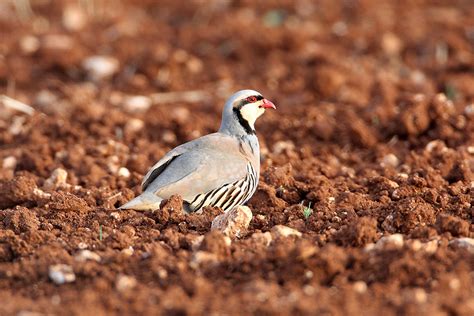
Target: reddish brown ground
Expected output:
[361,133]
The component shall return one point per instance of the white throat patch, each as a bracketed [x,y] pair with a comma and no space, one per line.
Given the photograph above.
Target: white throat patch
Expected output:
[251,112]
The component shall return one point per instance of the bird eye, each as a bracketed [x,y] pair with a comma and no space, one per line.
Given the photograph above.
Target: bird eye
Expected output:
[251,99]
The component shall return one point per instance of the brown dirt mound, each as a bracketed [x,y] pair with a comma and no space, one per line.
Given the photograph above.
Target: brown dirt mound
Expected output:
[369,156]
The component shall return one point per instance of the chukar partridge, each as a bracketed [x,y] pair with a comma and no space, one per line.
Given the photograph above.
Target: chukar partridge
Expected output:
[219,169]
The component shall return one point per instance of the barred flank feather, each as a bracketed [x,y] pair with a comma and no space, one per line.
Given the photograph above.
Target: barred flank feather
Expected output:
[229,195]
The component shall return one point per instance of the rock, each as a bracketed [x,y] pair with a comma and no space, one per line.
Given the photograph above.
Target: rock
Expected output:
[262,238]
[464,242]
[74,19]
[390,160]
[9,162]
[203,258]
[56,180]
[391,44]
[100,67]
[85,255]
[128,252]
[61,273]
[196,242]
[125,282]
[136,104]
[395,240]
[430,246]
[284,231]
[134,125]
[360,287]
[437,144]
[29,44]
[115,215]
[234,223]
[123,172]
[281,146]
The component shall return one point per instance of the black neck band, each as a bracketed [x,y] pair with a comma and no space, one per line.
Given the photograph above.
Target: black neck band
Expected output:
[245,124]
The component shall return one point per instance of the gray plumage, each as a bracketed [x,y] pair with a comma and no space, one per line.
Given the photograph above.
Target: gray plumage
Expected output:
[219,169]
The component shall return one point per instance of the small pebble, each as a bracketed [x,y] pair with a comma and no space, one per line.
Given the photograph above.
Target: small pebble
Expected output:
[74,18]
[85,255]
[56,180]
[29,44]
[283,145]
[420,295]
[390,160]
[284,231]
[360,287]
[464,242]
[136,104]
[115,215]
[100,67]
[203,257]
[124,172]
[441,145]
[128,251]
[134,125]
[61,273]
[125,282]
[9,162]
[395,240]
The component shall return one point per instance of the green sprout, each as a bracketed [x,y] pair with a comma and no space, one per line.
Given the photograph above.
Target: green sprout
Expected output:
[100,232]
[307,210]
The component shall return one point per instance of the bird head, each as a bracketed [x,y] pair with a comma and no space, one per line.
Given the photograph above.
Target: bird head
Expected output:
[241,111]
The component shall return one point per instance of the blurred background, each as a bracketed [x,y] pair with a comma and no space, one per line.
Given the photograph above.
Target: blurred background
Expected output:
[373,136]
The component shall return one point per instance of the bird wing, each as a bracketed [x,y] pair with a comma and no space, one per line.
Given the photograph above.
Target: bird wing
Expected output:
[197,167]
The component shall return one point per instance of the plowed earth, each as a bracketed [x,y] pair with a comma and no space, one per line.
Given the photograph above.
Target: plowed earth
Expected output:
[370,156]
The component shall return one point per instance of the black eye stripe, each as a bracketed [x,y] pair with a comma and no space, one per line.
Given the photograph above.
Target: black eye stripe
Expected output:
[245,101]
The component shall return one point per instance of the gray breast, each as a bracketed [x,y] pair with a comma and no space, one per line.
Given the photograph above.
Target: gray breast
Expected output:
[229,195]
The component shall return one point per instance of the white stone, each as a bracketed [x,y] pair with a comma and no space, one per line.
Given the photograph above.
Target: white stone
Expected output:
[395,240]
[115,215]
[360,287]
[390,160]
[463,242]
[136,103]
[9,162]
[61,273]
[469,109]
[100,67]
[125,282]
[74,18]
[434,144]
[29,44]
[124,172]
[85,255]
[233,223]
[128,251]
[203,257]
[56,180]
[134,125]
[282,145]
[284,231]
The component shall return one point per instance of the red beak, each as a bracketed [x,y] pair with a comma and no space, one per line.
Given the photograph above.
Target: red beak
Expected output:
[268,104]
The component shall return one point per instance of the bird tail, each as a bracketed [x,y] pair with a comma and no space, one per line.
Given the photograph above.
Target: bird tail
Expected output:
[146,201]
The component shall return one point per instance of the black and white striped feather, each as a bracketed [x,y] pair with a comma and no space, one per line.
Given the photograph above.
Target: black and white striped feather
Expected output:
[229,195]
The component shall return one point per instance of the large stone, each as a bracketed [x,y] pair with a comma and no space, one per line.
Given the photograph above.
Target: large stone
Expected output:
[234,223]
